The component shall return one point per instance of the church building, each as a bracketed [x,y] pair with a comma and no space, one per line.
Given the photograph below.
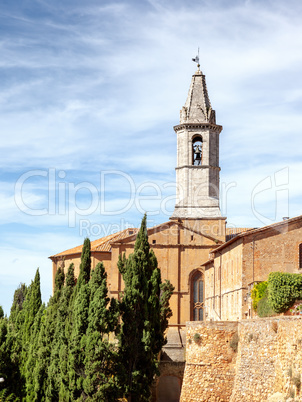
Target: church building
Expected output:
[212,268]
[195,228]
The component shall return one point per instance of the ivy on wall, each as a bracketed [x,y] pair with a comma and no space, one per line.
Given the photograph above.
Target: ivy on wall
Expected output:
[283,290]
[258,293]
[277,294]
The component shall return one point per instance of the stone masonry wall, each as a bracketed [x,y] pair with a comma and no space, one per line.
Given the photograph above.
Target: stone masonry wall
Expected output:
[267,367]
[210,363]
[289,363]
[269,359]
[256,360]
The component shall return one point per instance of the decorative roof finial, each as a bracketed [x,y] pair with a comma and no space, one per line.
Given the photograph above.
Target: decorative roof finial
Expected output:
[196,60]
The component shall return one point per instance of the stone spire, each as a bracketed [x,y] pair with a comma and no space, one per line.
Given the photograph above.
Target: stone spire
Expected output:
[197,108]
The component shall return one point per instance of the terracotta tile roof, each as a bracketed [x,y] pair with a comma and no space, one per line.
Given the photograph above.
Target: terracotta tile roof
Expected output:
[232,232]
[275,226]
[103,244]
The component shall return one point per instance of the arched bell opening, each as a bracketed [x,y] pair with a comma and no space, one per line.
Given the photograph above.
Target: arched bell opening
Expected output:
[197,151]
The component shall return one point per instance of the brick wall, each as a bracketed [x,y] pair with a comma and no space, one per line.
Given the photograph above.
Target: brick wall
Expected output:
[245,260]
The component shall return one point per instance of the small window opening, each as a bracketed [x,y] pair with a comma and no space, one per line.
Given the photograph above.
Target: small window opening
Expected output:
[153,241]
[192,237]
[300,256]
[197,151]
[130,232]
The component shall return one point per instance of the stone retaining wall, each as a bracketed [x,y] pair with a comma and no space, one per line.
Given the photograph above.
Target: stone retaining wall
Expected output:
[267,366]
[256,360]
[210,363]
[289,362]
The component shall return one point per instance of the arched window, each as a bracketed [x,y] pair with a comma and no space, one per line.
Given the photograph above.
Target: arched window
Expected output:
[197,151]
[300,256]
[197,297]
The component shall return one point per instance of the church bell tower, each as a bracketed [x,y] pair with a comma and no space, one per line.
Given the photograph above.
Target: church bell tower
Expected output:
[197,171]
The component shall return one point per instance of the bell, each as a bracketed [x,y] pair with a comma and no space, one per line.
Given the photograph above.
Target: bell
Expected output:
[197,153]
[198,156]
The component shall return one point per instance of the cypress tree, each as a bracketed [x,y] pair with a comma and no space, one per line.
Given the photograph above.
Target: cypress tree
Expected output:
[26,304]
[100,354]
[22,322]
[76,355]
[17,306]
[58,380]
[85,265]
[14,339]
[65,352]
[78,316]
[31,393]
[41,345]
[9,369]
[144,318]
[31,307]
[57,322]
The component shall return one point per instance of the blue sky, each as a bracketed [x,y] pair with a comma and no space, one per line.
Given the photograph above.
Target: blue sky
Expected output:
[90,92]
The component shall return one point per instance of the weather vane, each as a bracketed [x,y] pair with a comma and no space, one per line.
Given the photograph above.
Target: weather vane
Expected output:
[196,59]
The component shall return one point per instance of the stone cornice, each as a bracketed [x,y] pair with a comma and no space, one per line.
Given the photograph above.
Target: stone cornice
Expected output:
[195,126]
[198,167]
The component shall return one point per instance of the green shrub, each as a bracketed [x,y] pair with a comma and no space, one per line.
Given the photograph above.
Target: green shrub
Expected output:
[283,290]
[264,308]
[258,293]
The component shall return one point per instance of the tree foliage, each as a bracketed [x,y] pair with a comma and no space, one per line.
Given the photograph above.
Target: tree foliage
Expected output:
[144,312]
[9,370]
[100,353]
[84,345]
